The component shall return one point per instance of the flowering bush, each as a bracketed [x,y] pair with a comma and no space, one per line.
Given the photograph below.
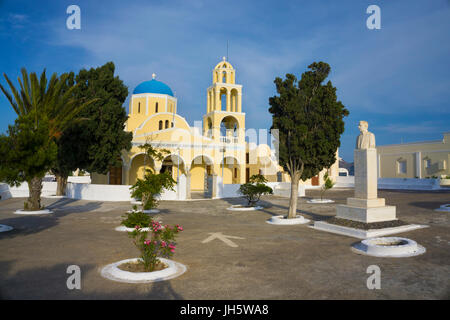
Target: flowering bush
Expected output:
[158,242]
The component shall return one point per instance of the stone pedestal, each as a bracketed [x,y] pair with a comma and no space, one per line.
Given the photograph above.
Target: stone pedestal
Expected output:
[366,206]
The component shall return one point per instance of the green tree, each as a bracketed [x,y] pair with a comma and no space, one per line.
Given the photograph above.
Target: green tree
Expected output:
[309,120]
[44,111]
[95,142]
[254,189]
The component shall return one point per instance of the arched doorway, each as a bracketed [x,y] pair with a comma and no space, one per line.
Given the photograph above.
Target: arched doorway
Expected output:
[173,164]
[201,168]
[138,165]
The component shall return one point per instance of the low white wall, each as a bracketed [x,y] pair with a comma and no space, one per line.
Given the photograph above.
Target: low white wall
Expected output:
[98,192]
[4,192]
[345,182]
[283,189]
[394,183]
[408,184]
[48,188]
[228,191]
[107,192]
[88,191]
[79,179]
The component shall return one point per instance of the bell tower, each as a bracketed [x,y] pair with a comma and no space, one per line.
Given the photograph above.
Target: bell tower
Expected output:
[224,116]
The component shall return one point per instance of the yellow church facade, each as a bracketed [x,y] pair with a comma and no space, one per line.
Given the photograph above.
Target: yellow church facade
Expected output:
[217,146]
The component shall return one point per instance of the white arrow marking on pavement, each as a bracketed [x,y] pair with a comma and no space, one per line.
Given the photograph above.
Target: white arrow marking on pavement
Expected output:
[220,236]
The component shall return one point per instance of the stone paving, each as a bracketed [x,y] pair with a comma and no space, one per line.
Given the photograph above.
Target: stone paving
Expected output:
[271,262]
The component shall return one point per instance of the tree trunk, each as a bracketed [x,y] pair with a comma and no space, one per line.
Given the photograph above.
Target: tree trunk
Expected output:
[34,199]
[294,196]
[61,184]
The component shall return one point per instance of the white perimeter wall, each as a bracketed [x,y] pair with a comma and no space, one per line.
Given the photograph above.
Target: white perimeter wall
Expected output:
[394,183]
[87,191]
[104,192]
[282,189]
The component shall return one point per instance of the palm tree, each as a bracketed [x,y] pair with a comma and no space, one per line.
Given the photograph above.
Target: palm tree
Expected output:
[48,104]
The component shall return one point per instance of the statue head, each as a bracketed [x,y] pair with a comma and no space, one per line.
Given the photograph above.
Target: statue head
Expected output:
[363,126]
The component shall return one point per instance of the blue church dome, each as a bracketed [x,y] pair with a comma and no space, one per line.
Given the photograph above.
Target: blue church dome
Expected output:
[153,86]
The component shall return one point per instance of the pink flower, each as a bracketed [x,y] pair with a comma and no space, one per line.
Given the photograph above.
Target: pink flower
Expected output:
[137,227]
[163,243]
[171,246]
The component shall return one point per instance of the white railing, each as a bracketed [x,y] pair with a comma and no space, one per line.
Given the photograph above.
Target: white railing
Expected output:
[229,140]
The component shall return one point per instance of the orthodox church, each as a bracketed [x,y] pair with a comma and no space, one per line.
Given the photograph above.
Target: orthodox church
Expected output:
[217,147]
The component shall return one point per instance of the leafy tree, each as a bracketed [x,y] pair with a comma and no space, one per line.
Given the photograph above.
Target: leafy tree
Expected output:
[309,119]
[44,111]
[254,189]
[26,155]
[95,142]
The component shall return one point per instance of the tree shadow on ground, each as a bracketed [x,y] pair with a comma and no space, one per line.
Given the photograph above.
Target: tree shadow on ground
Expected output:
[266,204]
[30,224]
[51,283]
[428,204]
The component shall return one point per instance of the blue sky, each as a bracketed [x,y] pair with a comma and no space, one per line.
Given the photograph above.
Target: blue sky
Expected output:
[396,78]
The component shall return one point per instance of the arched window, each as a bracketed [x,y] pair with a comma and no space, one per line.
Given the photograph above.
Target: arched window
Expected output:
[160,124]
[156,108]
[172,125]
[139,107]
[167,124]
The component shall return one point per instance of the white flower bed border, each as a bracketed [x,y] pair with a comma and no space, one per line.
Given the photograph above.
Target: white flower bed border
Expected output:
[45,211]
[145,211]
[52,196]
[281,221]
[374,247]
[238,207]
[363,234]
[112,272]
[316,201]
[444,208]
[123,229]
[5,228]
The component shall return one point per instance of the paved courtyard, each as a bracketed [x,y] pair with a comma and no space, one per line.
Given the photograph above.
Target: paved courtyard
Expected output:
[271,262]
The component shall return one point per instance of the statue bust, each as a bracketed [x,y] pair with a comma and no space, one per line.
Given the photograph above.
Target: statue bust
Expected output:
[366,139]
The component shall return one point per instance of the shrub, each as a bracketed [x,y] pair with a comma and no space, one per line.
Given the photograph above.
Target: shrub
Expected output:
[160,243]
[254,189]
[328,184]
[148,188]
[136,218]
